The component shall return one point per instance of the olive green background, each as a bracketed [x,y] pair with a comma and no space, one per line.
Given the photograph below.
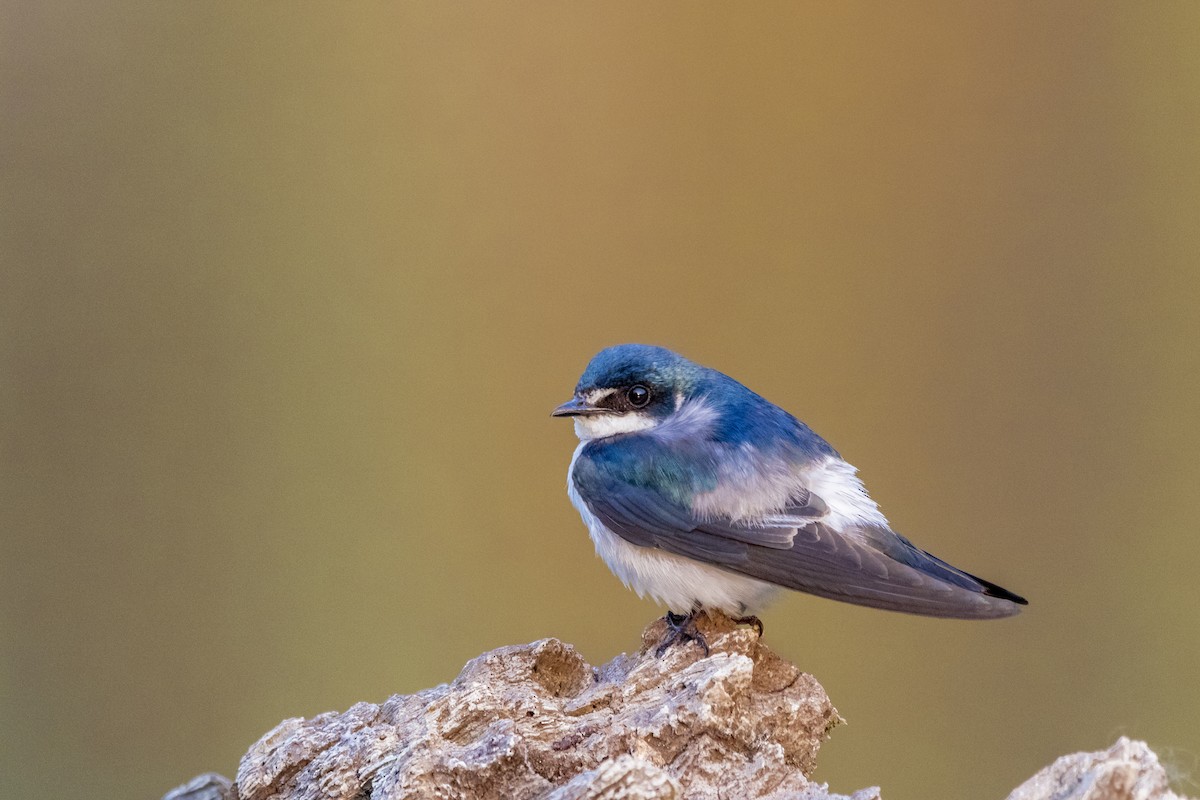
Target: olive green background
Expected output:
[288,291]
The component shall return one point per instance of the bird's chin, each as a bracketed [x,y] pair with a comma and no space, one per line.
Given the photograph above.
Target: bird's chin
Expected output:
[600,426]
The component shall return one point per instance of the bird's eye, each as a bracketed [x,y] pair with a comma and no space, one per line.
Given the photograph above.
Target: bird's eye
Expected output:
[637,395]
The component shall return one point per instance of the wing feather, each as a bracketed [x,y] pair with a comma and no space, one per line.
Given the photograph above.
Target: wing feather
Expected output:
[866,564]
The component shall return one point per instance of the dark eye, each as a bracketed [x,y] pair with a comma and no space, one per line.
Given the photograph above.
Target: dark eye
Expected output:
[637,395]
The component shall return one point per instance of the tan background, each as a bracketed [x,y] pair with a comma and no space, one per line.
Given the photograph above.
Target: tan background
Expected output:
[288,293]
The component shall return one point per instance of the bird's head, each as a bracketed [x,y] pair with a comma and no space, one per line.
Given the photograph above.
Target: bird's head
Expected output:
[632,387]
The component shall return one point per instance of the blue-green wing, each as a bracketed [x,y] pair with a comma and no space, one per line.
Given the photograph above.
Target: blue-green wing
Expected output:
[640,489]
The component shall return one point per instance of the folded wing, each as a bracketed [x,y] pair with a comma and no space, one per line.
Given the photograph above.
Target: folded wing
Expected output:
[867,565]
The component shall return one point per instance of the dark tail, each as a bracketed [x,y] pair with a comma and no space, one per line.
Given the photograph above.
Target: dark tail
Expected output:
[933,566]
[874,566]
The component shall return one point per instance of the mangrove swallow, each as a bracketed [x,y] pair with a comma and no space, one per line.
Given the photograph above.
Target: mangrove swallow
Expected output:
[703,495]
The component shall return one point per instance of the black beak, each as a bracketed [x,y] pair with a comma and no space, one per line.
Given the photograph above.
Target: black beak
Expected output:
[575,407]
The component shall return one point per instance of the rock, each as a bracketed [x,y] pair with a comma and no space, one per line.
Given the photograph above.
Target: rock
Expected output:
[1129,770]
[209,786]
[537,721]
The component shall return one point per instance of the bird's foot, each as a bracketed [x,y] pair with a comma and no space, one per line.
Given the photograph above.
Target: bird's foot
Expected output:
[752,621]
[681,628]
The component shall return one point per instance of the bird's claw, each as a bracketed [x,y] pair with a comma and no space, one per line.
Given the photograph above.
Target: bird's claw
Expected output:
[681,628]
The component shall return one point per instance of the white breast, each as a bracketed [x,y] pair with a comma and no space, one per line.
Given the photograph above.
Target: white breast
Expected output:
[673,581]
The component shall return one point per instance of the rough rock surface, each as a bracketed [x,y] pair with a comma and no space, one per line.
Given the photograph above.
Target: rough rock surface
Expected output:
[1129,770]
[209,786]
[536,721]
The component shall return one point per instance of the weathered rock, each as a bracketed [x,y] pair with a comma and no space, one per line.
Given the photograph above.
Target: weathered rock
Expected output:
[1129,770]
[537,721]
[209,786]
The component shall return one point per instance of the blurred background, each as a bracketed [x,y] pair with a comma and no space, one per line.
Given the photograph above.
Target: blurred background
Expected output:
[289,291]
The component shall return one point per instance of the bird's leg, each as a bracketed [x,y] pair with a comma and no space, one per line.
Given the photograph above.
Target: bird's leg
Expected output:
[681,628]
[751,620]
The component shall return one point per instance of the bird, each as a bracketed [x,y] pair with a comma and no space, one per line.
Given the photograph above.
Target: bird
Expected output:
[705,496]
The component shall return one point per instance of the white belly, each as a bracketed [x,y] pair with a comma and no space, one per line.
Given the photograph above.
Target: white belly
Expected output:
[674,581]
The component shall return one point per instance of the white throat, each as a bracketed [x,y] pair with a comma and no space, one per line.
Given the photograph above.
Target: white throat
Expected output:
[602,425]
[691,418]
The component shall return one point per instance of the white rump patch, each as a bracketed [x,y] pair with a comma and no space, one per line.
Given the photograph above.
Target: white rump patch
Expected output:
[837,483]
